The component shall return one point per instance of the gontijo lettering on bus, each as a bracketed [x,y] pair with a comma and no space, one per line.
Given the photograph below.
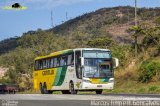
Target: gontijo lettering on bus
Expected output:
[48,72]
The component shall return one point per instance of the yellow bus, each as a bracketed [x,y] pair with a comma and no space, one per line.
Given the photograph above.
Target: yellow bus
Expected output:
[72,70]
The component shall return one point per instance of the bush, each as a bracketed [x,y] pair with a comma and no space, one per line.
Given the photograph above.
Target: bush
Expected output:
[148,70]
[121,52]
[153,88]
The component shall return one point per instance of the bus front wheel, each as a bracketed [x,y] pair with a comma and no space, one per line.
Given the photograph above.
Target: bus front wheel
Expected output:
[71,88]
[99,91]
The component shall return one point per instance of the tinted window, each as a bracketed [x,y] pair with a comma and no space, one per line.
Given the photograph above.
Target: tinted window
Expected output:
[54,62]
[69,60]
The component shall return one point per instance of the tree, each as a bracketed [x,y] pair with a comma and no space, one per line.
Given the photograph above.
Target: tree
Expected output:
[136,31]
[152,36]
[101,42]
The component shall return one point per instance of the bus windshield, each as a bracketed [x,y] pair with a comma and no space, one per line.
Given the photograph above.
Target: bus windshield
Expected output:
[97,64]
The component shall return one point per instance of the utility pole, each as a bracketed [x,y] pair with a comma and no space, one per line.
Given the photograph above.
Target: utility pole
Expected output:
[52,19]
[66,16]
[136,46]
[128,15]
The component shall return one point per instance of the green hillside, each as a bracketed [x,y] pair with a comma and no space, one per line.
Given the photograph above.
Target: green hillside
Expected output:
[111,28]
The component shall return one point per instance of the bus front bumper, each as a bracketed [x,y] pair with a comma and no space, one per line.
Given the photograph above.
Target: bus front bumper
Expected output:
[86,85]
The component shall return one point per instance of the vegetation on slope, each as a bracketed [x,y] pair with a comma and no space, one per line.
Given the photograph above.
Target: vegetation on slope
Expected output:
[105,28]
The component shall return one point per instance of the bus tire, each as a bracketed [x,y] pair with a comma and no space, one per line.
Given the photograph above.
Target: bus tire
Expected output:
[41,88]
[45,91]
[99,91]
[71,88]
[14,92]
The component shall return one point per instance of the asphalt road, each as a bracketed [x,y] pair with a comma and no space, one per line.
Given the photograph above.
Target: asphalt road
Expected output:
[79,100]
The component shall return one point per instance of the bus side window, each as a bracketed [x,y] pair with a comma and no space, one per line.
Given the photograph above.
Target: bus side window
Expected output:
[55,62]
[62,60]
[48,63]
[70,59]
[40,65]
[52,63]
[44,64]
[58,62]
[65,60]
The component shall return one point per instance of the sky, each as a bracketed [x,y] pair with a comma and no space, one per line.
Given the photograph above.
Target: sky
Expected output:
[38,15]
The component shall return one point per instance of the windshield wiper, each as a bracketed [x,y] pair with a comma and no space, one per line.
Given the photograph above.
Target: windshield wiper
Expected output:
[96,70]
[94,73]
[101,69]
[104,73]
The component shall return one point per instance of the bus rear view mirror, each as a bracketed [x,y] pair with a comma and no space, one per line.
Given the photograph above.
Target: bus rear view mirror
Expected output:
[82,61]
[116,62]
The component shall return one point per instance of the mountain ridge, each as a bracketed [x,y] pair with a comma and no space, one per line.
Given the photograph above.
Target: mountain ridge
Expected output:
[111,22]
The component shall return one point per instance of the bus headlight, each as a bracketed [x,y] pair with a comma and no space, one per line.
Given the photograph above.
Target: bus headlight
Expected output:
[87,81]
[111,80]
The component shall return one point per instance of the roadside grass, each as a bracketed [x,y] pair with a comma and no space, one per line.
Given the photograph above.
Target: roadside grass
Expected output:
[134,87]
[57,92]
[35,92]
[86,92]
[31,91]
